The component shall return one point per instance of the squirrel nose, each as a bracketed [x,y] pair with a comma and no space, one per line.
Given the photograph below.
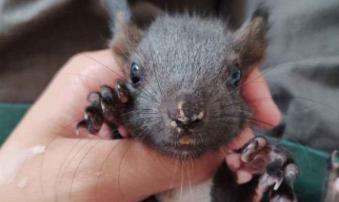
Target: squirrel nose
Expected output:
[188,111]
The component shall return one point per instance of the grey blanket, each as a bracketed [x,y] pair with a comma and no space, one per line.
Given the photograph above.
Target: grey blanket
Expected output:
[302,68]
[302,65]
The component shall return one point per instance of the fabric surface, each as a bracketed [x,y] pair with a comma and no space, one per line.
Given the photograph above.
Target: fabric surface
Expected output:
[10,115]
[38,36]
[302,68]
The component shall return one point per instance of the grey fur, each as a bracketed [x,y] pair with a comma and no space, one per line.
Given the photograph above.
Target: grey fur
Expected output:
[179,55]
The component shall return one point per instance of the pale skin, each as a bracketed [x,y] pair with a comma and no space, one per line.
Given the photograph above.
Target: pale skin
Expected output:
[91,169]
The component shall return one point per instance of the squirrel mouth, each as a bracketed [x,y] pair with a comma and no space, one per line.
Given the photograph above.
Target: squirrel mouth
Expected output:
[186,147]
[186,140]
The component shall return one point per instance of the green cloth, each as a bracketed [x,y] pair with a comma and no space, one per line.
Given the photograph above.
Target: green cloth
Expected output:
[10,115]
[312,163]
[313,171]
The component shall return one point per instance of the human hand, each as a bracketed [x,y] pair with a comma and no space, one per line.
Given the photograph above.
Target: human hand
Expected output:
[89,169]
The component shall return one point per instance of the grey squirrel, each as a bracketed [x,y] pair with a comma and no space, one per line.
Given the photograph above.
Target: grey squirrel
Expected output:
[180,96]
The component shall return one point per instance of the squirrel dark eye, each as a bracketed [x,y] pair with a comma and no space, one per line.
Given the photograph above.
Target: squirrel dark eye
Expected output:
[235,76]
[135,72]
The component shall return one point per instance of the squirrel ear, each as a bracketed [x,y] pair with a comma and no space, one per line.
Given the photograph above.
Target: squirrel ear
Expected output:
[144,13]
[129,28]
[127,36]
[250,40]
